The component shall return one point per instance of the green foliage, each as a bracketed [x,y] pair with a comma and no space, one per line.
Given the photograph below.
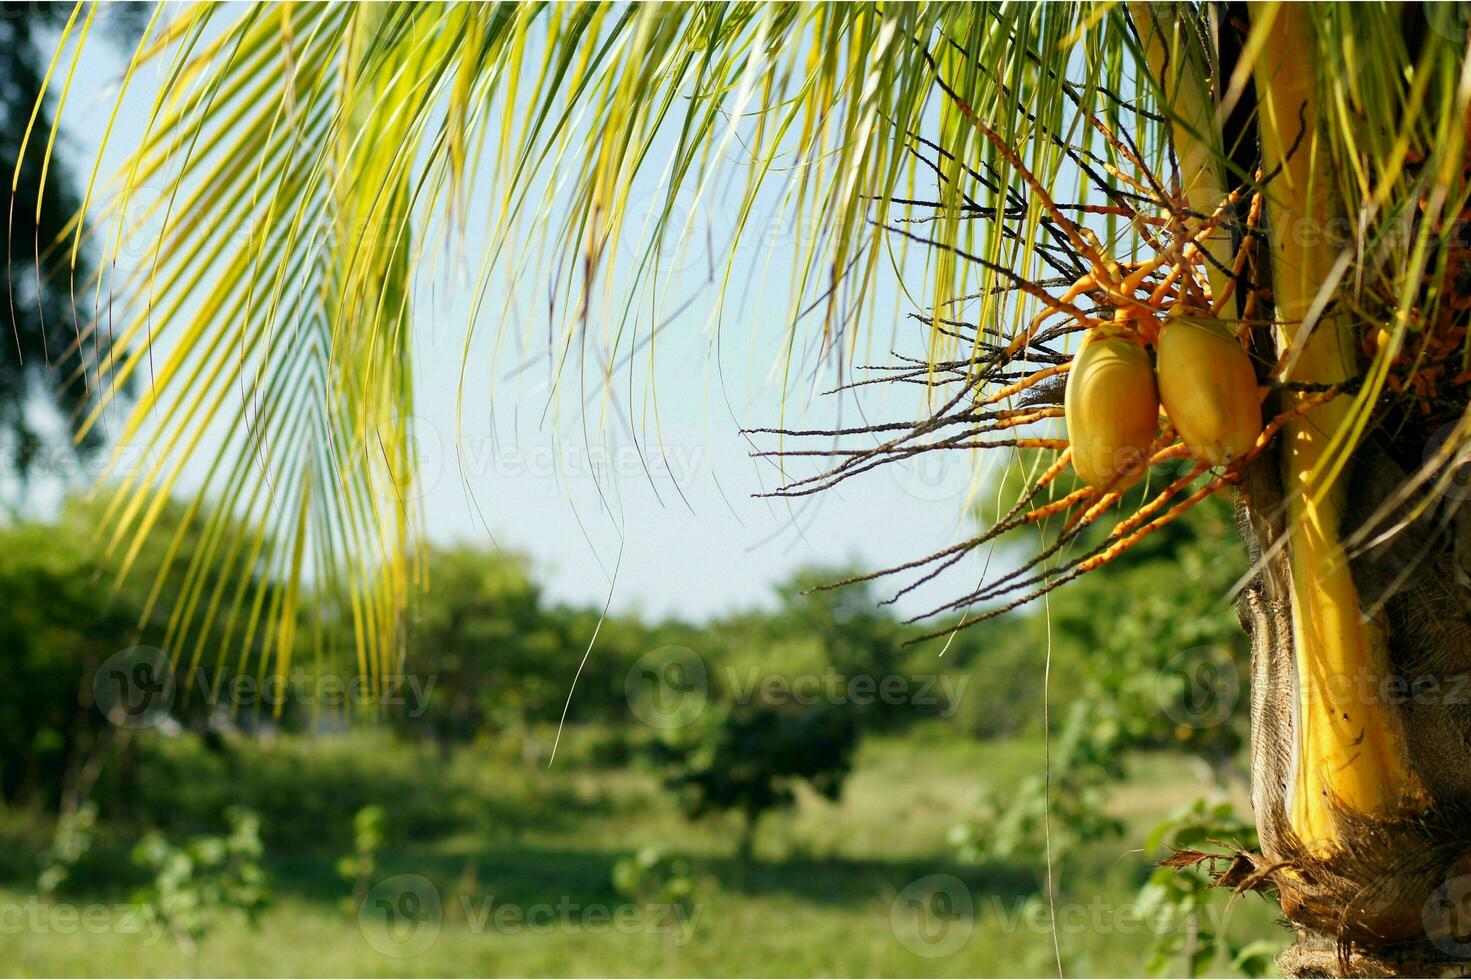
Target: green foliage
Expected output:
[1187,907]
[1086,765]
[57,629]
[490,664]
[307,790]
[1162,665]
[856,635]
[827,882]
[1001,661]
[70,612]
[1161,662]
[791,695]
[369,831]
[501,659]
[206,880]
[655,876]
[1166,660]
[748,758]
[71,843]
[744,753]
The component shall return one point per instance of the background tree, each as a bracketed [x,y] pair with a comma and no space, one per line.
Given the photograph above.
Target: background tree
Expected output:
[499,660]
[46,365]
[748,757]
[55,636]
[75,609]
[786,698]
[496,659]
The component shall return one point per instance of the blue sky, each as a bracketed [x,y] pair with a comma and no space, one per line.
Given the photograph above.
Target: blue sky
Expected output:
[686,537]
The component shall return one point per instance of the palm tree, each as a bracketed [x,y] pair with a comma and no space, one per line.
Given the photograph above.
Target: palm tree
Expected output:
[1284,182]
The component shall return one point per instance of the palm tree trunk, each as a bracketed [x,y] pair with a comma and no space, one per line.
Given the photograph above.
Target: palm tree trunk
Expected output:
[1362,835]
[1361,787]
[1397,876]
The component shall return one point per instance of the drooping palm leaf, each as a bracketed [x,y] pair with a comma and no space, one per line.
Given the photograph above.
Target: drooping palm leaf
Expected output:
[298,155]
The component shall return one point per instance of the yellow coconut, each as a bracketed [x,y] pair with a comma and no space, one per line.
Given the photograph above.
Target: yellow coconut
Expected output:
[1112,409]
[1208,388]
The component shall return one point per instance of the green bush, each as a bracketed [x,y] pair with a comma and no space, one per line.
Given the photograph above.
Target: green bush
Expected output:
[206,880]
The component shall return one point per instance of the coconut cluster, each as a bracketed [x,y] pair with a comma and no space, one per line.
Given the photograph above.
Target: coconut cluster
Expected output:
[1200,375]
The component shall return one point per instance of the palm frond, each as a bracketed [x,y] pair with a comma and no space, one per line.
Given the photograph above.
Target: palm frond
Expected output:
[300,157]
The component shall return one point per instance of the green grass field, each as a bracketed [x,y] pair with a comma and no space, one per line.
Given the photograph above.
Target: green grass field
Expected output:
[539,899]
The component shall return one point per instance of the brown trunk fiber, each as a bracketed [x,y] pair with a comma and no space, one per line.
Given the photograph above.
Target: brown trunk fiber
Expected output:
[1412,870]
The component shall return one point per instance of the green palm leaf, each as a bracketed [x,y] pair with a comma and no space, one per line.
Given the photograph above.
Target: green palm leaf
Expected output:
[302,153]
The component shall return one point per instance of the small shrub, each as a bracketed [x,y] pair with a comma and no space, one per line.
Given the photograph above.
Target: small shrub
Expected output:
[72,842]
[208,879]
[369,830]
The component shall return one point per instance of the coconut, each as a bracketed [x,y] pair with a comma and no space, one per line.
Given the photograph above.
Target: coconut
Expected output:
[1112,409]
[1208,388]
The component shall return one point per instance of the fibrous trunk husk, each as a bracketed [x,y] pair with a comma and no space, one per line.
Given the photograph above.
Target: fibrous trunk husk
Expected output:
[1393,878]
[1361,752]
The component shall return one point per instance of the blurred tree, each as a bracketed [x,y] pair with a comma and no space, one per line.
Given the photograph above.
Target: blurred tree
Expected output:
[46,361]
[56,630]
[748,757]
[795,692]
[834,643]
[859,639]
[1171,668]
[480,634]
[70,611]
[502,662]
[858,636]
